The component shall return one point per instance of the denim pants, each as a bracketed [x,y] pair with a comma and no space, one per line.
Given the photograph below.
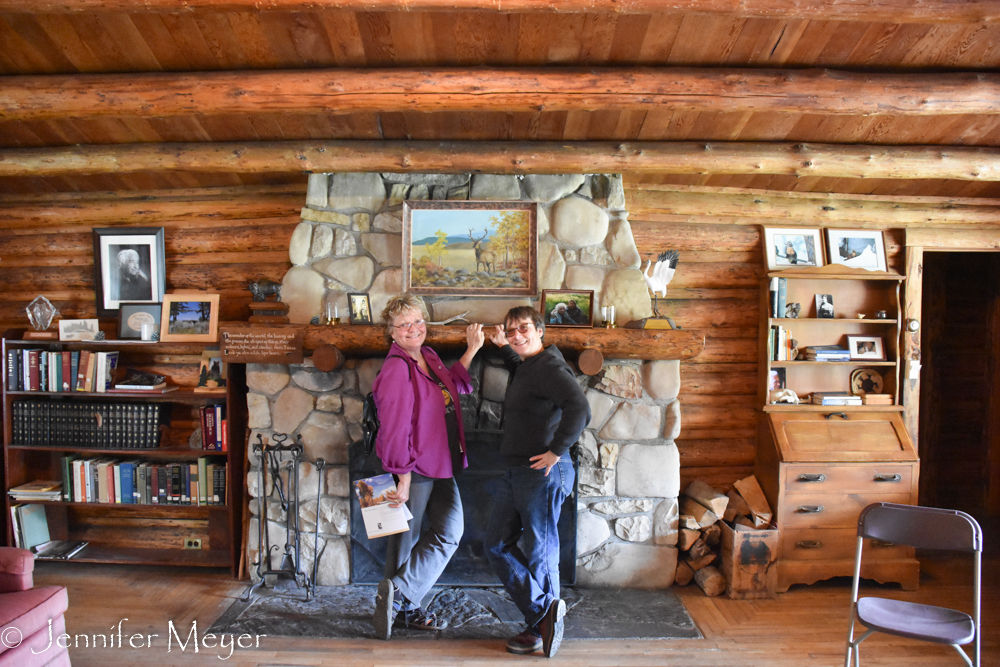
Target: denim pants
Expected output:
[414,560]
[522,540]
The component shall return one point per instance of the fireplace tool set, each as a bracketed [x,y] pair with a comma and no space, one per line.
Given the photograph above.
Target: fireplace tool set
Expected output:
[275,459]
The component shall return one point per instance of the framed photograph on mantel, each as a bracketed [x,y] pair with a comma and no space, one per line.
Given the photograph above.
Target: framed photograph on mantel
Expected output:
[787,248]
[470,248]
[129,265]
[567,308]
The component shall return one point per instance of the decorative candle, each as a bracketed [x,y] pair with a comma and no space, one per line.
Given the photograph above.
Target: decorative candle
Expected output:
[604,313]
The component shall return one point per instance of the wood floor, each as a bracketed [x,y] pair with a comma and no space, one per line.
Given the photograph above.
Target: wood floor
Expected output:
[805,626]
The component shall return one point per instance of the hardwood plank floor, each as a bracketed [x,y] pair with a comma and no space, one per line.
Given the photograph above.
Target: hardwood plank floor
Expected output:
[805,626]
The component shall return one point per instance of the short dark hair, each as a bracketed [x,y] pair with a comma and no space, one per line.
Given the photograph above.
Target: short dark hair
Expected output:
[525,312]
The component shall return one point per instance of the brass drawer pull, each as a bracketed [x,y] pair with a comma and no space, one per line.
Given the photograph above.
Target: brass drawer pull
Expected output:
[812,477]
[809,544]
[810,509]
[842,415]
[882,543]
[896,477]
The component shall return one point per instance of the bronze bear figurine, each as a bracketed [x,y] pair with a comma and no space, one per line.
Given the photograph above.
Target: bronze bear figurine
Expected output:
[261,289]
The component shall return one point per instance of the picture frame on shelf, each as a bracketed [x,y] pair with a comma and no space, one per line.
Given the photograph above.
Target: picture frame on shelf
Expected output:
[360,308]
[132,315]
[212,372]
[470,248]
[866,348]
[70,330]
[786,247]
[129,265]
[824,307]
[189,318]
[776,379]
[567,308]
[857,248]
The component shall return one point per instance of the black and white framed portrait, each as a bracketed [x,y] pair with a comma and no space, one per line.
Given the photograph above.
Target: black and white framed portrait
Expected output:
[129,265]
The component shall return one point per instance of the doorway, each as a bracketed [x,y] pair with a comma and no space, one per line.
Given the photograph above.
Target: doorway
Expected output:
[960,386]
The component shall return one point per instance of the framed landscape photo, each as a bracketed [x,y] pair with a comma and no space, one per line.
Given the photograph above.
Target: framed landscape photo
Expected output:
[786,248]
[129,265]
[361,308]
[858,248]
[189,318]
[867,348]
[567,308]
[470,248]
[131,317]
[78,329]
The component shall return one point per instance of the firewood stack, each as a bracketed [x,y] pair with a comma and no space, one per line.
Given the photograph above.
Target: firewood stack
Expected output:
[699,531]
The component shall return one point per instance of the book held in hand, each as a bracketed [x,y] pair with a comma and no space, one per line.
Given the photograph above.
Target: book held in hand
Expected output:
[380,518]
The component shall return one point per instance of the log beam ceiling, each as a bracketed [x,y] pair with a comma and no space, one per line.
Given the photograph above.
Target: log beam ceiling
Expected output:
[891,11]
[814,160]
[343,91]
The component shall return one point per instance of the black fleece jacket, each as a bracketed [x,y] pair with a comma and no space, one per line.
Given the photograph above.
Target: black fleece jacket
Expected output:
[545,408]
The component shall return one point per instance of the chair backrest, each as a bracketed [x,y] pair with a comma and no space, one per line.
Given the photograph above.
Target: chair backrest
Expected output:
[921,527]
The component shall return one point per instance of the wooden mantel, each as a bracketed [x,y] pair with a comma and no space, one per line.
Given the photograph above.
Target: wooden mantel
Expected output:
[612,343]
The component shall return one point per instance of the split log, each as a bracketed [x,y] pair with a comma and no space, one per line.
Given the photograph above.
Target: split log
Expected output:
[699,549]
[712,535]
[687,537]
[737,506]
[710,580]
[687,521]
[684,574]
[760,511]
[704,516]
[706,496]
[699,563]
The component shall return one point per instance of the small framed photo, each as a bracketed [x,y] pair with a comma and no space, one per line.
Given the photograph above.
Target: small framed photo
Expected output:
[129,265]
[78,329]
[776,379]
[361,308]
[568,308]
[132,315]
[868,348]
[858,248]
[189,318]
[824,306]
[787,248]
[212,372]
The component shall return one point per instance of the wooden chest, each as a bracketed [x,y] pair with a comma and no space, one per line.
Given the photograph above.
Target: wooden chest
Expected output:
[819,469]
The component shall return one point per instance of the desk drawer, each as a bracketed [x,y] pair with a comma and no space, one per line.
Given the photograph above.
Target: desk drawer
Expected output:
[888,478]
[831,510]
[834,544]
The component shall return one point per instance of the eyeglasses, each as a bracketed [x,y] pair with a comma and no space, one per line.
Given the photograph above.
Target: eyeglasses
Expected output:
[521,328]
[407,325]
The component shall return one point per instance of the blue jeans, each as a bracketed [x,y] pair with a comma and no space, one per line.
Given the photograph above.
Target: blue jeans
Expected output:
[522,540]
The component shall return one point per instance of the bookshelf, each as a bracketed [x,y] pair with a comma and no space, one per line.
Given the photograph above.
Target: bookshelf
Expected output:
[139,532]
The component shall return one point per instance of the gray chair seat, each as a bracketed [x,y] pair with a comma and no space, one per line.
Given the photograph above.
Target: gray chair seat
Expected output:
[916,621]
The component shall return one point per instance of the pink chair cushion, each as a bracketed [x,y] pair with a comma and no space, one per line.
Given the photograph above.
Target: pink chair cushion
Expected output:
[47,652]
[30,611]
[15,569]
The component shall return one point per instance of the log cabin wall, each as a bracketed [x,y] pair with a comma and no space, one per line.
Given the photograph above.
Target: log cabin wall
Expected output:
[224,237]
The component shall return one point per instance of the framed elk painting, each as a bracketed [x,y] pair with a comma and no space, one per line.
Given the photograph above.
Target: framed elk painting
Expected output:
[470,248]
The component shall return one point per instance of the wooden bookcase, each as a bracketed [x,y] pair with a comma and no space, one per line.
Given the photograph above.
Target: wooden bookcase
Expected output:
[819,466]
[139,533]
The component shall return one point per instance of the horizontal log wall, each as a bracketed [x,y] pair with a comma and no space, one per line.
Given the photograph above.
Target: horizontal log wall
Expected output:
[221,239]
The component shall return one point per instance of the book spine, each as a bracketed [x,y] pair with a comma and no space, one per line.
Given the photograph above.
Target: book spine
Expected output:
[81,372]
[33,381]
[74,369]
[43,370]
[202,481]
[116,471]
[161,484]
[12,370]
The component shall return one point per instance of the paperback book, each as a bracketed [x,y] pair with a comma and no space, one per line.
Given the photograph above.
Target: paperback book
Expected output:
[380,517]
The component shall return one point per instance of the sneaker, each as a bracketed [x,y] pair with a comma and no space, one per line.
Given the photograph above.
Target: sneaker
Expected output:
[418,619]
[528,641]
[385,609]
[551,627]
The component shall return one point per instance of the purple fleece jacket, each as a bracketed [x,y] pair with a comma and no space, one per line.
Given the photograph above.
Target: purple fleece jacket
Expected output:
[413,435]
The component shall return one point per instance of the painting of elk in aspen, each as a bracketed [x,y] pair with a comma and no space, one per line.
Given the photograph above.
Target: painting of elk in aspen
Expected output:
[468,248]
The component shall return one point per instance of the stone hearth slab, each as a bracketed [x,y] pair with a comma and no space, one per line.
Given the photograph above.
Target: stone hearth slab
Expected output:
[344,612]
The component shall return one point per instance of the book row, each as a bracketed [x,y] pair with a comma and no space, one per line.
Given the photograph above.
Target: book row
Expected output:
[214,430]
[200,482]
[76,370]
[780,344]
[133,425]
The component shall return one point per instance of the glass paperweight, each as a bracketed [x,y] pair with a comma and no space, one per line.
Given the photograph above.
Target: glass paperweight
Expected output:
[41,312]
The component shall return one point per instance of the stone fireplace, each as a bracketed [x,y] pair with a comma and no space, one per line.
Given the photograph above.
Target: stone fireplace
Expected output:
[349,240]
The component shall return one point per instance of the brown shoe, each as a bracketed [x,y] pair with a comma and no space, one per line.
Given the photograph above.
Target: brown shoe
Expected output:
[528,641]
[551,627]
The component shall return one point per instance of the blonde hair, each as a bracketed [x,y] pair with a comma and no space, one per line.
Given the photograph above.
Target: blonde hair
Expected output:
[395,307]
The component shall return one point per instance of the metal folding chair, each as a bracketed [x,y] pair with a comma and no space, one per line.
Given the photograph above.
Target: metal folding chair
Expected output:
[922,528]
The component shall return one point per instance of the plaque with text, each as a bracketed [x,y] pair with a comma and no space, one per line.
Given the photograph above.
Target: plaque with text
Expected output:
[261,345]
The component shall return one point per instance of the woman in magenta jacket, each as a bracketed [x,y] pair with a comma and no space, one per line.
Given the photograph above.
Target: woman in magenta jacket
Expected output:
[421,441]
